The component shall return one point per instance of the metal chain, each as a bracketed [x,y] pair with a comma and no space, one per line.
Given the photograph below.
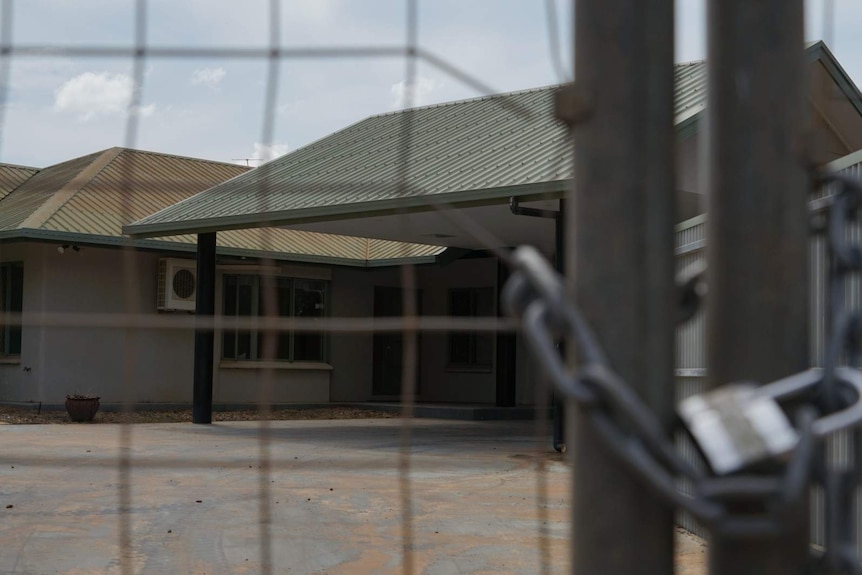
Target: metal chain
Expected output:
[840,483]
[824,402]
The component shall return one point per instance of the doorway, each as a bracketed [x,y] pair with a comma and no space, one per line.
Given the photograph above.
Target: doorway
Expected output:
[388,353]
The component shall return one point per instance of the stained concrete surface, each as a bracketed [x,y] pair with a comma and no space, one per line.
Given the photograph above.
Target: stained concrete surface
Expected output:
[201,500]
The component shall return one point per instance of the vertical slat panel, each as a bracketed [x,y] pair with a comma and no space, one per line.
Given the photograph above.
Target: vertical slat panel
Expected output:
[690,350]
[690,346]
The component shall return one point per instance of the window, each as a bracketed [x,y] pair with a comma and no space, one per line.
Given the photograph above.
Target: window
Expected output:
[471,350]
[244,297]
[11,298]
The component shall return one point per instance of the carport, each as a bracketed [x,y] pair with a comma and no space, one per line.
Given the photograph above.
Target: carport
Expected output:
[448,176]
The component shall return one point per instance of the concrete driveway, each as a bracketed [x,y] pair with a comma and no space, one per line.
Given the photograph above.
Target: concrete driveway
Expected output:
[201,501]
[333,498]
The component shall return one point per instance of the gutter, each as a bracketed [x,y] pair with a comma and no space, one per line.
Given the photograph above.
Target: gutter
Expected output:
[518,210]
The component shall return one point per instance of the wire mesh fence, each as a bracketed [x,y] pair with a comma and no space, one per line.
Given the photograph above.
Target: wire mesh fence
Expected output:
[295,292]
[289,319]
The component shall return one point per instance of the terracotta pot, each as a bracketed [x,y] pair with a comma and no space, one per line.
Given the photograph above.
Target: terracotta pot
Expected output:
[82,409]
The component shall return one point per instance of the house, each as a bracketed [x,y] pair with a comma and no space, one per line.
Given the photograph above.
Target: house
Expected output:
[329,224]
[61,252]
[465,162]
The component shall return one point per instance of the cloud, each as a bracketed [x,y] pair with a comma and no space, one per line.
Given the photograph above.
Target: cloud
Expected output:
[418,91]
[209,77]
[40,74]
[145,111]
[90,94]
[263,153]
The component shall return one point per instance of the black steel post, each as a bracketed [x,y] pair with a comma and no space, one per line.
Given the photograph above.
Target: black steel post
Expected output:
[558,406]
[558,412]
[506,395]
[757,248]
[202,400]
[620,268]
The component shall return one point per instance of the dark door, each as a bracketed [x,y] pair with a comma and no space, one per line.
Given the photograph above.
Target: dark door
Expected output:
[389,346]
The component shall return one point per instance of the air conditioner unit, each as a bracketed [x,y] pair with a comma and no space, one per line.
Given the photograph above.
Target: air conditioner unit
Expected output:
[177,284]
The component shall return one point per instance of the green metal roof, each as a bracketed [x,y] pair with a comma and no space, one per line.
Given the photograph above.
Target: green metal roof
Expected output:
[467,152]
[89,199]
[12,176]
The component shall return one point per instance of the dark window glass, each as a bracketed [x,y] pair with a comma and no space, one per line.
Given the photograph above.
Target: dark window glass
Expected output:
[280,340]
[11,301]
[245,296]
[309,301]
[229,308]
[246,302]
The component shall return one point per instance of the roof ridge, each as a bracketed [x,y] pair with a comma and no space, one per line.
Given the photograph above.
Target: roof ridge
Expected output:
[315,143]
[18,166]
[467,100]
[178,157]
[58,199]
[690,63]
[498,95]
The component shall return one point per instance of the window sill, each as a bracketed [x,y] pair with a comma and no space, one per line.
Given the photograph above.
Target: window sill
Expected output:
[468,369]
[289,365]
[10,360]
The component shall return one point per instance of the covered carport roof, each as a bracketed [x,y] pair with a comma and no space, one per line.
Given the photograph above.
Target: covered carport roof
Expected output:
[471,154]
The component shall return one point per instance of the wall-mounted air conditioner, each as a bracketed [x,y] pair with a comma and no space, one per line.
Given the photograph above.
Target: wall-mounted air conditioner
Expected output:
[177,284]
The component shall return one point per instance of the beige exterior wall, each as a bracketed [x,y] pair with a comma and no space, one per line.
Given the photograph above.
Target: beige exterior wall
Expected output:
[156,365]
[115,363]
[353,296]
[283,383]
[687,166]
[438,381]
[144,366]
[352,354]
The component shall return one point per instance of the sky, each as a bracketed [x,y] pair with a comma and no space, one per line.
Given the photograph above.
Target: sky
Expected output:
[60,108]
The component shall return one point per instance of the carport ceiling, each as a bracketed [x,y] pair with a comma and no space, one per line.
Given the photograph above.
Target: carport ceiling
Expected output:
[471,228]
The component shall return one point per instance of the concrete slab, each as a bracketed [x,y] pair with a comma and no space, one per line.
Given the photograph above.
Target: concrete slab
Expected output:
[466,412]
[201,499]
[331,496]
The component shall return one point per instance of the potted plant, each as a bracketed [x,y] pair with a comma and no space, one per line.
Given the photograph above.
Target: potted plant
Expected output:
[82,408]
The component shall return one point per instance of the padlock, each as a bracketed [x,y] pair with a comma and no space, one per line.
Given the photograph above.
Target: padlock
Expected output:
[736,426]
[740,424]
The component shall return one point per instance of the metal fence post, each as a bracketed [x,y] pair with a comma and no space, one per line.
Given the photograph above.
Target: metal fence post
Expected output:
[620,262]
[757,248]
[202,395]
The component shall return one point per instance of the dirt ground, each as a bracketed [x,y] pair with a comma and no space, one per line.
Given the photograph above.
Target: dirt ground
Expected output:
[690,554]
[32,415]
[690,550]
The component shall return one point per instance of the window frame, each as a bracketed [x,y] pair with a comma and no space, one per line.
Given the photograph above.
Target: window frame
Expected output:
[473,363]
[255,282]
[10,334]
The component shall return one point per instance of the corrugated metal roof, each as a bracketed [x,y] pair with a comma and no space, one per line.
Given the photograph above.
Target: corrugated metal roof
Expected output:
[469,146]
[689,90]
[28,197]
[12,176]
[96,195]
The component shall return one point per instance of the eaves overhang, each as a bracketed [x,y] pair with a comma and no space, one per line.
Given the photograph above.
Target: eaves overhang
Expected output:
[395,206]
[819,51]
[687,124]
[80,239]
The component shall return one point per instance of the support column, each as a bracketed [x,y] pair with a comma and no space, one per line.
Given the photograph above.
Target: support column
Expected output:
[757,248]
[202,402]
[506,395]
[557,404]
[620,264]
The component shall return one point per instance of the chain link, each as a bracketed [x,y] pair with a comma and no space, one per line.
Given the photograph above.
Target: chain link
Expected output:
[840,483]
[825,401]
